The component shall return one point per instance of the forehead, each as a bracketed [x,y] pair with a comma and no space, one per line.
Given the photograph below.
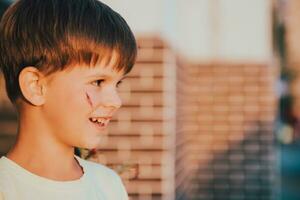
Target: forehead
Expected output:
[100,70]
[107,63]
[85,71]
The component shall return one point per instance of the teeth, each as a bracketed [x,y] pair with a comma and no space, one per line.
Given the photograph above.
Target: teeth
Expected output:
[98,120]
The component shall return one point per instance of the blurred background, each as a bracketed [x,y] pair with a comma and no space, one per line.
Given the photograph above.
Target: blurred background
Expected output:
[211,109]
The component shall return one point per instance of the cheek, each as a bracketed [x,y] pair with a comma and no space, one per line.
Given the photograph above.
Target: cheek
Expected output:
[73,100]
[88,99]
[91,98]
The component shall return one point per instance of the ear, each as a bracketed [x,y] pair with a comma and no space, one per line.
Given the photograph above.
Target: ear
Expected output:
[32,85]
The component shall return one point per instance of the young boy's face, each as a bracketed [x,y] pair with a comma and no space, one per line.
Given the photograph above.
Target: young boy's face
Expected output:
[80,102]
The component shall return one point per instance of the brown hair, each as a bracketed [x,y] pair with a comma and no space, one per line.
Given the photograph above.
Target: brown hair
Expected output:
[54,34]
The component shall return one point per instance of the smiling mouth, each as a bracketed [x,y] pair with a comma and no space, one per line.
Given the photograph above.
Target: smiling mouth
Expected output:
[100,121]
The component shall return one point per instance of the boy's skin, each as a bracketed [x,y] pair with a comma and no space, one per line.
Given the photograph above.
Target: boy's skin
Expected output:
[56,116]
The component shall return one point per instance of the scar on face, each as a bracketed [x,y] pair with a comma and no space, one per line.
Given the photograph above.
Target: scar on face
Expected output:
[88,98]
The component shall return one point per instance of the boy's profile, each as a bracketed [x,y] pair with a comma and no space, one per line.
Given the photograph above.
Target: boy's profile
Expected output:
[62,61]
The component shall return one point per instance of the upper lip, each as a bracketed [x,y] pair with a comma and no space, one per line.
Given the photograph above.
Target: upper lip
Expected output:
[104,117]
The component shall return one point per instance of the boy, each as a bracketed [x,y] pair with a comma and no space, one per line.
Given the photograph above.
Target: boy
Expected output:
[62,61]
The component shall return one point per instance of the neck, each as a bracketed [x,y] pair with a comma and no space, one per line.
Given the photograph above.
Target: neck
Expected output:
[38,151]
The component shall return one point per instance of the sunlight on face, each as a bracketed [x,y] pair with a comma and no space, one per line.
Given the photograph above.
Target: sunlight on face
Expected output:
[80,103]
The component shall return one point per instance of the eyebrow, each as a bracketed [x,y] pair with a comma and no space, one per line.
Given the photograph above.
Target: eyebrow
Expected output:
[103,75]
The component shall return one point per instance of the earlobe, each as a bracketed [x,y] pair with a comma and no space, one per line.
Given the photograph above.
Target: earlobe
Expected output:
[32,85]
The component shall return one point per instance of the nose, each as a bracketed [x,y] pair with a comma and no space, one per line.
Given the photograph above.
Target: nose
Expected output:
[111,99]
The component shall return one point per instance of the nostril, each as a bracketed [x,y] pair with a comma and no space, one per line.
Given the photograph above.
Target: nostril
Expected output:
[92,119]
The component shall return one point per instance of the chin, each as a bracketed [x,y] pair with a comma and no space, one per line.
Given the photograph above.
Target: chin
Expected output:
[92,144]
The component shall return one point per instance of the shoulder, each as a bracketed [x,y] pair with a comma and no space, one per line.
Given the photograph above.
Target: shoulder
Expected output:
[5,172]
[7,175]
[97,169]
[4,178]
[105,178]
[4,183]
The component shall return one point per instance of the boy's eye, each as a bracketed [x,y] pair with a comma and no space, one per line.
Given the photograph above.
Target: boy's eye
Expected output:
[119,83]
[97,82]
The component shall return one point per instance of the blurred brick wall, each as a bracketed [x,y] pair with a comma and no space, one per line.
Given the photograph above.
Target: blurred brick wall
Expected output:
[186,127]
[225,131]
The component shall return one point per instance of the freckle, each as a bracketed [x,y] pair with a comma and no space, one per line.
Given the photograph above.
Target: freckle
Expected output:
[89,99]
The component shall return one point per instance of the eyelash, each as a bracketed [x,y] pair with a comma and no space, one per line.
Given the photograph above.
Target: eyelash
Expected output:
[118,84]
[98,82]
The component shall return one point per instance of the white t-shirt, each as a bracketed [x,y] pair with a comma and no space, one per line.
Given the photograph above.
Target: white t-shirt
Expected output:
[97,183]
